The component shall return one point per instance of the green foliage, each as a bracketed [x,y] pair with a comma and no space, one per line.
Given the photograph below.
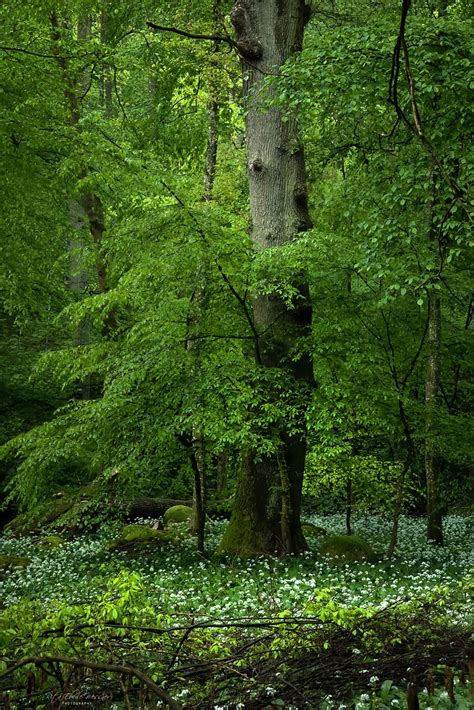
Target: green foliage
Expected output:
[119,114]
[371,261]
[374,483]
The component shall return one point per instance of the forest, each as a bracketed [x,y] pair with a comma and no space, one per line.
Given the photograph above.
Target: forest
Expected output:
[236,354]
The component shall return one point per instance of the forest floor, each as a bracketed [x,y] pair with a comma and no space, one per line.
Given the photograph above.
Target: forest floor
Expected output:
[216,632]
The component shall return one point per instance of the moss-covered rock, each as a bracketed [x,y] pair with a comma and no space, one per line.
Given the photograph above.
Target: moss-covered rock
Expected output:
[178,514]
[140,537]
[314,531]
[348,548]
[8,562]
[51,541]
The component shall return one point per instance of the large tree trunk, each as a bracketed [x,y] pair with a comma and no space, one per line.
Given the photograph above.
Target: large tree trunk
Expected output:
[266,515]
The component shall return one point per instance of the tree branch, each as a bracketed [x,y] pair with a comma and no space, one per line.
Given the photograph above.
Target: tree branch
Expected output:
[191,35]
[242,302]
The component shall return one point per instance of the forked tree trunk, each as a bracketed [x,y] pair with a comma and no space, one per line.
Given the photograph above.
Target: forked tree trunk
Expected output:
[266,514]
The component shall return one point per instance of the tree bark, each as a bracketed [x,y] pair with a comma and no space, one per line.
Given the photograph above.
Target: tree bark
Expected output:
[266,514]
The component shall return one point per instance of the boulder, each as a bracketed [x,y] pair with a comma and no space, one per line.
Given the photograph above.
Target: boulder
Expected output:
[51,541]
[178,514]
[347,548]
[7,562]
[314,531]
[140,538]
[153,507]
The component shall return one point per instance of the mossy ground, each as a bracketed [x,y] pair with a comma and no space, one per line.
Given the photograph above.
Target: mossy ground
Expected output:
[51,541]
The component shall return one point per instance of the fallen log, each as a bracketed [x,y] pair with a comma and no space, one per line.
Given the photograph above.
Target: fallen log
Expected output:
[153,507]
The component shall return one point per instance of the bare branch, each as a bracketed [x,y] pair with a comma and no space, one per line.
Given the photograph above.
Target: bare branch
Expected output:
[191,35]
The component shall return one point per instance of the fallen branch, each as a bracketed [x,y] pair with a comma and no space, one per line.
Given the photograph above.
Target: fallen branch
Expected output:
[103,667]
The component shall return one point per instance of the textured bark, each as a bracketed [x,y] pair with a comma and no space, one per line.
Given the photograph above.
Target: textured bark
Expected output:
[211,150]
[266,515]
[432,391]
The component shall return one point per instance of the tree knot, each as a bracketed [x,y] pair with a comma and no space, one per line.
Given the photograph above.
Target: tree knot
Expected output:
[256,166]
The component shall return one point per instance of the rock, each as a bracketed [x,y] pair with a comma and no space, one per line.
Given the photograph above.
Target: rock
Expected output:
[153,507]
[178,514]
[51,541]
[9,561]
[347,547]
[313,531]
[140,537]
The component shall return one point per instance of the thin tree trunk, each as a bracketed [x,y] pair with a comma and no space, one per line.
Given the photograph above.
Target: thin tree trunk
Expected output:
[348,506]
[432,390]
[198,456]
[211,151]
[90,202]
[266,514]
[410,455]
[199,491]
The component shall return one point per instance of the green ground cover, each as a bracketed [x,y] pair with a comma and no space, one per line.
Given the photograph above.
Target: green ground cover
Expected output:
[83,581]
